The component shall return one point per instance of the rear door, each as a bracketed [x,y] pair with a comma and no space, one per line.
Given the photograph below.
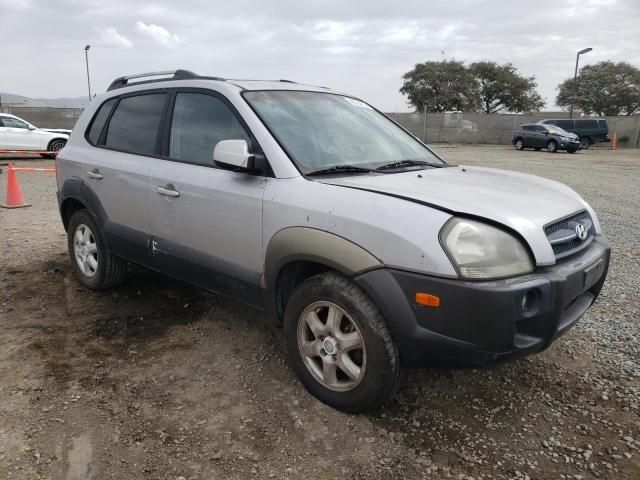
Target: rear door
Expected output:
[529,135]
[206,220]
[118,169]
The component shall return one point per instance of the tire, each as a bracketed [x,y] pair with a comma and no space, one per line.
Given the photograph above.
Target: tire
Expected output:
[585,143]
[54,146]
[376,372]
[552,146]
[519,144]
[94,264]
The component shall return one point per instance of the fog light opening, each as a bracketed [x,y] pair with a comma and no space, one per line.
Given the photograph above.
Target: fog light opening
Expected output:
[530,303]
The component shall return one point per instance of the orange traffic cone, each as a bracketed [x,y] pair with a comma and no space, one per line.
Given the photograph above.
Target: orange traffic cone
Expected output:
[614,141]
[15,198]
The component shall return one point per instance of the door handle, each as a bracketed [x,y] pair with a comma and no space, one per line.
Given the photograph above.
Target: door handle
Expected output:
[95,174]
[168,191]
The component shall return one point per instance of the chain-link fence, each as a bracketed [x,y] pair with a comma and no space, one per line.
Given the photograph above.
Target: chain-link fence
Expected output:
[497,128]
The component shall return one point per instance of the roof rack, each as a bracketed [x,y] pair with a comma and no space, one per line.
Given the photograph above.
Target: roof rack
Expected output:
[121,82]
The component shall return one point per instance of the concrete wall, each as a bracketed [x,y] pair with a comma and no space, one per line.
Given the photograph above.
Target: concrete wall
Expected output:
[46,117]
[440,127]
[497,129]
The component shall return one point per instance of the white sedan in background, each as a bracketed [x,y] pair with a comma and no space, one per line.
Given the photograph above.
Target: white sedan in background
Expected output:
[18,134]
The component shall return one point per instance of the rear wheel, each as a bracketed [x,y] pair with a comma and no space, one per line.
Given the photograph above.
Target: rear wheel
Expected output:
[552,146]
[585,143]
[519,144]
[54,146]
[339,345]
[95,266]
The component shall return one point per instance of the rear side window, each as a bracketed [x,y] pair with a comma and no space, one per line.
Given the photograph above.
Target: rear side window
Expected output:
[602,124]
[565,124]
[135,123]
[586,124]
[527,127]
[99,119]
[199,122]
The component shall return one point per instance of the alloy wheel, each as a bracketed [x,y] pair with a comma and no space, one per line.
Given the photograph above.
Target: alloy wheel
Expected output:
[331,346]
[85,249]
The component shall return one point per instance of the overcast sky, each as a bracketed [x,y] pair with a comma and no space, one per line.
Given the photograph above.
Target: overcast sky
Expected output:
[362,47]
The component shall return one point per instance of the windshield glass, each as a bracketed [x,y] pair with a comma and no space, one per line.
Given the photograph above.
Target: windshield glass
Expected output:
[321,130]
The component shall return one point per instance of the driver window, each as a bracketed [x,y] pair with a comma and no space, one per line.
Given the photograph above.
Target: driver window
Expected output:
[198,123]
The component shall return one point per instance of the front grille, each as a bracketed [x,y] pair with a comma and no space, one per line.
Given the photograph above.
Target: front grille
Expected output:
[562,234]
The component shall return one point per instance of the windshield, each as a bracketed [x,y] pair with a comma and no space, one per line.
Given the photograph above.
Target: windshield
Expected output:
[556,130]
[322,130]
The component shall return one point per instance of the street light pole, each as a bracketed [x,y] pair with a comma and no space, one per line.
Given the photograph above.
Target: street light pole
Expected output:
[86,58]
[575,79]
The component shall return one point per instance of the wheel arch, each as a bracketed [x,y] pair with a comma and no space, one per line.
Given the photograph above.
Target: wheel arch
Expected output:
[297,253]
[65,140]
[76,195]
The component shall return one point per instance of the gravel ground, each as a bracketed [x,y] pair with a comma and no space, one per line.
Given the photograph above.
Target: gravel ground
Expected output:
[159,380]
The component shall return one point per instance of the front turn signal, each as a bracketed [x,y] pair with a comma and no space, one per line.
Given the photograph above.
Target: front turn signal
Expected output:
[427,300]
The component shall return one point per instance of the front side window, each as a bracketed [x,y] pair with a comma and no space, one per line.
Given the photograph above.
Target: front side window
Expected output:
[322,130]
[135,123]
[199,122]
[11,122]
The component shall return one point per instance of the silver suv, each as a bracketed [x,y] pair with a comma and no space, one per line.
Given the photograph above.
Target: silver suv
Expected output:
[370,251]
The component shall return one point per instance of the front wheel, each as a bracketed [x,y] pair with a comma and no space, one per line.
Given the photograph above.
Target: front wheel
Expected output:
[95,266]
[552,146]
[339,345]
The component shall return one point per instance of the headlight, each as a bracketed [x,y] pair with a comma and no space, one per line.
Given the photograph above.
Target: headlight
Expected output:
[481,251]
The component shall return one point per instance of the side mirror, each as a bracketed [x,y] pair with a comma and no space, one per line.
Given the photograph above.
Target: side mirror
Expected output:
[233,153]
[31,127]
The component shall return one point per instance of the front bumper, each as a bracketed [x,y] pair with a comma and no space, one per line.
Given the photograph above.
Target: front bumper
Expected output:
[483,322]
[569,145]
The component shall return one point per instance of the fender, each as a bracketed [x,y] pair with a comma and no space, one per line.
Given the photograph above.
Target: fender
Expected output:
[77,189]
[309,244]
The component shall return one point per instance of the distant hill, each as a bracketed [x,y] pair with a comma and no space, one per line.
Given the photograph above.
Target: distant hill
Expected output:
[10,99]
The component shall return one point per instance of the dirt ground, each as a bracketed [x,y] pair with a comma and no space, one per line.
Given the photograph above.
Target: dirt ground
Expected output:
[159,380]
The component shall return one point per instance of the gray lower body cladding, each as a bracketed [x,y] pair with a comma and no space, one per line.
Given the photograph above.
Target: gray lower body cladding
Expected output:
[479,323]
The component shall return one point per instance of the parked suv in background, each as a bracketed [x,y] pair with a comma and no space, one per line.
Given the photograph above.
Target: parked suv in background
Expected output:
[370,251]
[589,130]
[18,134]
[550,137]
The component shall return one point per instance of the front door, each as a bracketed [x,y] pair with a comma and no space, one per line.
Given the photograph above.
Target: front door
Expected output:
[18,136]
[206,221]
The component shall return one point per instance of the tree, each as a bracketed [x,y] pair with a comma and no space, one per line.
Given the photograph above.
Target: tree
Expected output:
[502,88]
[605,88]
[441,86]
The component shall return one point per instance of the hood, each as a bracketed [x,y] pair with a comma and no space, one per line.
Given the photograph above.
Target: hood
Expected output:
[525,203]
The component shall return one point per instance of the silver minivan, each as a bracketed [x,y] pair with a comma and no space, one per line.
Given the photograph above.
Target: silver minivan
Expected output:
[370,251]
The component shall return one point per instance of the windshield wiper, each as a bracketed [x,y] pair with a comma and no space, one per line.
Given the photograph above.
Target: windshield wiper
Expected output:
[409,163]
[340,169]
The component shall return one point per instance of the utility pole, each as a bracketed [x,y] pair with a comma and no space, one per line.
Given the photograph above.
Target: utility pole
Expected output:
[86,59]
[575,80]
